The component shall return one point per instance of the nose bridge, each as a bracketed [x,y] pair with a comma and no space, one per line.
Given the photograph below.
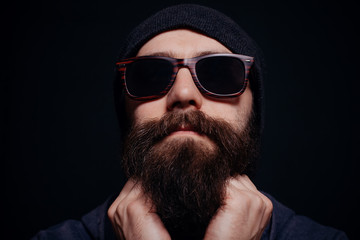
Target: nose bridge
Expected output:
[185,63]
[184,92]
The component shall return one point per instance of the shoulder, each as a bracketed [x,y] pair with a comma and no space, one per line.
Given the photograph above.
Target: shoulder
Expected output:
[70,229]
[286,224]
[94,225]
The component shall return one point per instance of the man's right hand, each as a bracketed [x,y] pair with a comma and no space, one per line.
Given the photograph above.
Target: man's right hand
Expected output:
[132,216]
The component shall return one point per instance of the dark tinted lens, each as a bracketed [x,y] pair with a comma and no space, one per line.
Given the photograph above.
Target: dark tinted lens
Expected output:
[221,75]
[148,77]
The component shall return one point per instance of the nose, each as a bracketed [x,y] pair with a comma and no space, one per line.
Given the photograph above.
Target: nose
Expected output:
[184,94]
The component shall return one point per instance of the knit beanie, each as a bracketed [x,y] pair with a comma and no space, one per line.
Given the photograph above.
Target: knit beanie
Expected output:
[204,20]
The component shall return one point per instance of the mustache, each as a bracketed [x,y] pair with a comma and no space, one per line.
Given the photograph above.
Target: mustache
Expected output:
[193,120]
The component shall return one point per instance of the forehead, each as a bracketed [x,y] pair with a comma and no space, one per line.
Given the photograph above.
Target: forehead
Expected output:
[181,43]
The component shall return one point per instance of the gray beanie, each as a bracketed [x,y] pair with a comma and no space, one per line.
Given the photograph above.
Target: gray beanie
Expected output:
[203,20]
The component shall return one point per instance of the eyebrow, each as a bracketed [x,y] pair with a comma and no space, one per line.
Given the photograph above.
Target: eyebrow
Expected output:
[173,54]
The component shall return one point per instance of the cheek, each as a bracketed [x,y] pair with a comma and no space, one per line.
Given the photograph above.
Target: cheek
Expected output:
[142,111]
[233,110]
[230,113]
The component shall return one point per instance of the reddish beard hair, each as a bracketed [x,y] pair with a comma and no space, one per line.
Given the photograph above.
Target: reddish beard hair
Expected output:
[184,177]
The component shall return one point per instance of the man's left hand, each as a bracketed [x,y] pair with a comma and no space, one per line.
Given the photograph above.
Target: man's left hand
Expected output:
[244,215]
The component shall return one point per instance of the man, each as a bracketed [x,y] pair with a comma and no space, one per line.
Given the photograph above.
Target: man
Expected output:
[188,94]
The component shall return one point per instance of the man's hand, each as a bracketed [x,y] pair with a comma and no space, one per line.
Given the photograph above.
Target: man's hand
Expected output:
[132,215]
[245,214]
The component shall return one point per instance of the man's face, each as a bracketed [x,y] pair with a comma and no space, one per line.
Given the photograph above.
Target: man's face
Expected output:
[184,94]
[184,146]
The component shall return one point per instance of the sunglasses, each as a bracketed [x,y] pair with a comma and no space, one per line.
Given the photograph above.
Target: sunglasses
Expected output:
[215,75]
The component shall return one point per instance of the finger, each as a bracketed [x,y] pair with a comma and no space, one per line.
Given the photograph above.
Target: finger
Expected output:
[128,188]
[260,203]
[268,208]
[137,220]
[130,202]
[244,186]
[244,181]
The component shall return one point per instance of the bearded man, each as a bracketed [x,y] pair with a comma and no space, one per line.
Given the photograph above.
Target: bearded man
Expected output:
[189,99]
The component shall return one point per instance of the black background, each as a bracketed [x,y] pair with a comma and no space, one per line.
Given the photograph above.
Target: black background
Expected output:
[59,133]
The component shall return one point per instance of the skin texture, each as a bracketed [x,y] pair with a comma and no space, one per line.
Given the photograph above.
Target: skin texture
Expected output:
[246,211]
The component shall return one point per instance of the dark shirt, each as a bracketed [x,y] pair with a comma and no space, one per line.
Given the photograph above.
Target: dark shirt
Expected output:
[284,224]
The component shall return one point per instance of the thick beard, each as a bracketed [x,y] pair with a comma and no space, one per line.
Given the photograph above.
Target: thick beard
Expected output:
[183,176]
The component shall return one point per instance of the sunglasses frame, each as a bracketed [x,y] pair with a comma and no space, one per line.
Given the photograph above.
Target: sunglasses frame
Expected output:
[189,63]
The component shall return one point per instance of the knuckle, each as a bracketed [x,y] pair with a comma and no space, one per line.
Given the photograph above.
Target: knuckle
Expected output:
[268,203]
[258,200]
[254,200]
[248,200]
[269,207]
[110,212]
[132,207]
